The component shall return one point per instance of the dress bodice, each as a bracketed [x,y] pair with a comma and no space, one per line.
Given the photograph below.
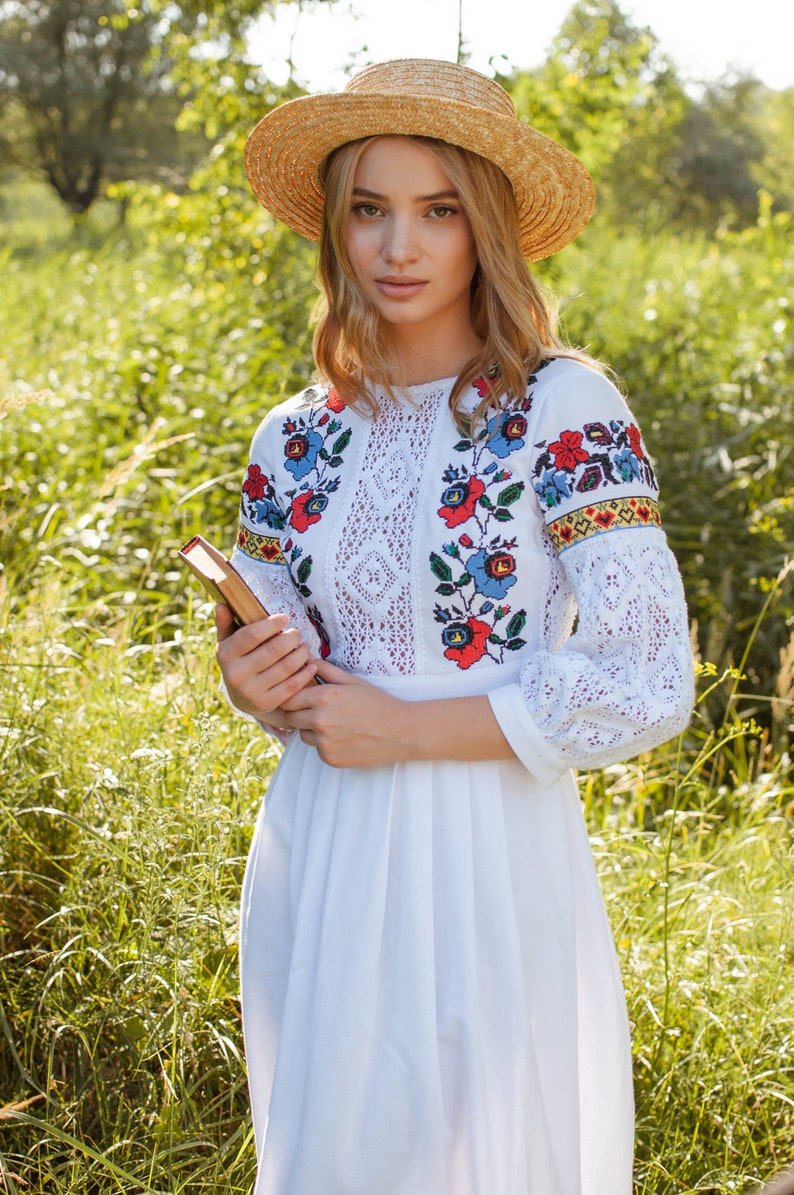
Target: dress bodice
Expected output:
[404,547]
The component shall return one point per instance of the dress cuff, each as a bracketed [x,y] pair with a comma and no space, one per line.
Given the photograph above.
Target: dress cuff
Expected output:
[544,762]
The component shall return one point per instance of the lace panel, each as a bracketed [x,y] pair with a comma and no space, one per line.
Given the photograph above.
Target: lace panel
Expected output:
[623,682]
[273,586]
[373,576]
[558,610]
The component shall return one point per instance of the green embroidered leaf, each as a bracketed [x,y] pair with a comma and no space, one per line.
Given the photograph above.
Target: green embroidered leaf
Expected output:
[486,502]
[323,454]
[515,644]
[440,567]
[510,494]
[516,625]
[335,462]
[445,589]
[496,639]
[463,579]
[463,445]
[304,570]
[502,516]
[341,442]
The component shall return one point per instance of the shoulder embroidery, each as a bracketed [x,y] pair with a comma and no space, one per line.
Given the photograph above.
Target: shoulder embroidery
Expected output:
[597,457]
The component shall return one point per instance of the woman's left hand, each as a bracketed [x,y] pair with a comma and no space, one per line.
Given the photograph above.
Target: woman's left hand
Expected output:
[352,723]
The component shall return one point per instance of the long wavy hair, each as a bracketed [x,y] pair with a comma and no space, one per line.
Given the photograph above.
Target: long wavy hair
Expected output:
[352,347]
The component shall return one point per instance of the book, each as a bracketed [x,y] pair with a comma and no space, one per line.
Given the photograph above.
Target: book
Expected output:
[223,583]
[221,580]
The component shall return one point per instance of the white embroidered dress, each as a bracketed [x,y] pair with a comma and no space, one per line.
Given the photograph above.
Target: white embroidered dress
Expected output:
[431,1000]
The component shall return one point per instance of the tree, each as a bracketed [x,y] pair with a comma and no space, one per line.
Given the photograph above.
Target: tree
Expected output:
[602,70]
[83,98]
[94,91]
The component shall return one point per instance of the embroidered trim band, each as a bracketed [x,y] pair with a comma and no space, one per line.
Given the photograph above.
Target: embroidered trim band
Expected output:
[612,514]
[260,547]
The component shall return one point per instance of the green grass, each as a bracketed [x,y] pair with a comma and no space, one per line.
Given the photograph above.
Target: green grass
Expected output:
[134,366]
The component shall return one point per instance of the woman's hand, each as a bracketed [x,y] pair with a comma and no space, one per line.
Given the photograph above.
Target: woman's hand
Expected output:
[263,664]
[354,724]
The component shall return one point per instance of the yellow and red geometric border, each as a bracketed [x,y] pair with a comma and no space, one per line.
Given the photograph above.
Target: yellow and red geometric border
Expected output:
[260,547]
[610,515]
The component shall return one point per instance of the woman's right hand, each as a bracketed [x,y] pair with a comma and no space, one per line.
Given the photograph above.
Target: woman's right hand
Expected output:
[263,664]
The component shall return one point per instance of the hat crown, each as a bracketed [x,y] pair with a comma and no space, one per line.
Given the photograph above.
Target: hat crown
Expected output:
[428,78]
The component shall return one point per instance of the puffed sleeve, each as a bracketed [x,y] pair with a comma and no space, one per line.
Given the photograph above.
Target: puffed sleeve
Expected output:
[623,682]
[260,553]
[263,542]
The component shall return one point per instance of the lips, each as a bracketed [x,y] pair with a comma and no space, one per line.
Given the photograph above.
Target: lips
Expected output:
[400,286]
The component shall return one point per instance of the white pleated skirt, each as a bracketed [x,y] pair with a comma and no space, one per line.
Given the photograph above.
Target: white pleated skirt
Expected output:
[431,999]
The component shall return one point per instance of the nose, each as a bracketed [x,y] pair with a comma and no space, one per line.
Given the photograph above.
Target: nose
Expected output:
[399,240]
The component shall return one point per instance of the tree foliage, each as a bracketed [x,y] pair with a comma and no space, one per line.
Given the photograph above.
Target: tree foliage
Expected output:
[100,91]
[656,151]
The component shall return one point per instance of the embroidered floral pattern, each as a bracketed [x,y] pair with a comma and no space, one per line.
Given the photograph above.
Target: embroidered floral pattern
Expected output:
[478,569]
[598,456]
[315,442]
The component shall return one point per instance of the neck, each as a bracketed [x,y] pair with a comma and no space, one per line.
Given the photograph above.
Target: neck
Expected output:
[428,358]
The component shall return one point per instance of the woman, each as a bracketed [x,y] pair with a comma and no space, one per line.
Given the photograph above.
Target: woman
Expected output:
[431,999]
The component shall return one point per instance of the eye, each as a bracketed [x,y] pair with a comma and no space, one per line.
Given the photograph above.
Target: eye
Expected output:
[443,211]
[364,208]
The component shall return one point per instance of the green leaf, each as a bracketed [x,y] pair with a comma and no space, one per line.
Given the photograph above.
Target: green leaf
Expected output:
[515,644]
[445,589]
[304,570]
[463,446]
[440,567]
[502,516]
[511,493]
[464,579]
[486,502]
[516,624]
[341,442]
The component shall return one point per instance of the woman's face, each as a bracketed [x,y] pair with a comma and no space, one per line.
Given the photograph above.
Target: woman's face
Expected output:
[409,241]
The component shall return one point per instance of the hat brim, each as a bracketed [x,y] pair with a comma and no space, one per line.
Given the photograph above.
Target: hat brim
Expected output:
[554,192]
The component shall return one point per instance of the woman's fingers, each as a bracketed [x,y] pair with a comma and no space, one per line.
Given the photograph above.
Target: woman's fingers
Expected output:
[262,664]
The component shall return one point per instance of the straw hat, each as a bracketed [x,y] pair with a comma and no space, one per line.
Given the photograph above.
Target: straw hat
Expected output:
[426,98]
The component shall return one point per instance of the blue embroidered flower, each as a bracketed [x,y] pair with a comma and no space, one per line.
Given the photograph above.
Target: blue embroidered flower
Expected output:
[505,433]
[552,487]
[627,464]
[493,572]
[301,450]
[267,512]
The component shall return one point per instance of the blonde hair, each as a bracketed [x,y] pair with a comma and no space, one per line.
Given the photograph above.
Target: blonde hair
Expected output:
[509,315]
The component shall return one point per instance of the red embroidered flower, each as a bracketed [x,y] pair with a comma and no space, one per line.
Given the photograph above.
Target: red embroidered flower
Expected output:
[255,483]
[636,441]
[481,384]
[334,402]
[465,641]
[307,508]
[459,500]
[568,451]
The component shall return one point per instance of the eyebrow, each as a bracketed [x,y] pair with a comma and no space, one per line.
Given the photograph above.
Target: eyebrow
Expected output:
[365,194]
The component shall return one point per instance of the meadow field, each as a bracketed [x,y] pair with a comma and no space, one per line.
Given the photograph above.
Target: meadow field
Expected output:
[135,361]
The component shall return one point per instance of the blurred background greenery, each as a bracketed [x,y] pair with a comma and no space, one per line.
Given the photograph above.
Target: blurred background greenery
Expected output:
[150,312]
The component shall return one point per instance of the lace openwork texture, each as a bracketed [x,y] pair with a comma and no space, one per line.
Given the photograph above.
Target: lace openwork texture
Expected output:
[623,682]
[275,590]
[373,576]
